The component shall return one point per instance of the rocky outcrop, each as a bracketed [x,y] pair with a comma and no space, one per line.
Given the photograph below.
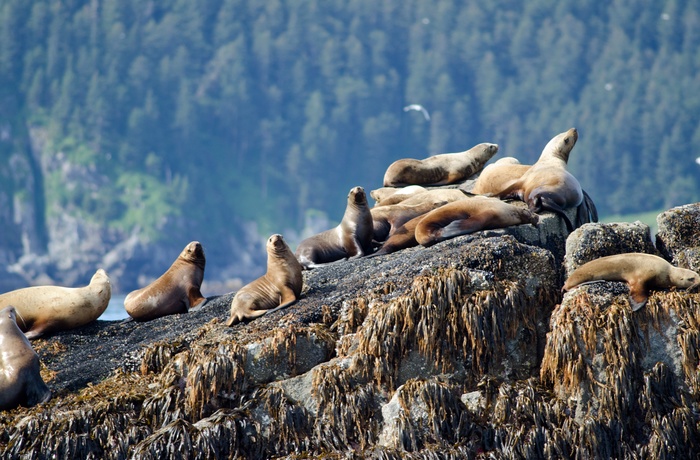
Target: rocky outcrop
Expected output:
[460,350]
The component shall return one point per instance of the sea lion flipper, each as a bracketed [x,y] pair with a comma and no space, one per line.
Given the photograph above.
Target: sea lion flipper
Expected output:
[34,334]
[638,296]
[37,392]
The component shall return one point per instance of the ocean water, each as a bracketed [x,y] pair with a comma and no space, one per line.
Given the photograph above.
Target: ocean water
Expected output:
[115,310]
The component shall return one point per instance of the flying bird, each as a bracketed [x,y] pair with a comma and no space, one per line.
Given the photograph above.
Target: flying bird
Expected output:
[418,108]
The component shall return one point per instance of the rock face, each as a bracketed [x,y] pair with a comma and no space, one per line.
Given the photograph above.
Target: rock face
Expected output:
[465,349]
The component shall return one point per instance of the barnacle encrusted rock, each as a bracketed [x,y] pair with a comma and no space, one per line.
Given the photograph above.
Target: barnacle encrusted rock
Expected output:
[678,237]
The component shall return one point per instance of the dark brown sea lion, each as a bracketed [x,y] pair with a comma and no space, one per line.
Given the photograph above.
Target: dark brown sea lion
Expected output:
[470,215]
[20,378]
[44,309]
[547,185]
[640,271]
[176,291]
[278,288]
[351,238]
[443,169]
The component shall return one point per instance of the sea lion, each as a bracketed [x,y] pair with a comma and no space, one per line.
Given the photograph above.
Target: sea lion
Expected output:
[443,169]
[547,185]
[44,309]
[392,195]
[494,176]
[387,218]
[402,237]
[20,378]
[278,288]
[470,215]
[351,238]
[176,291]
[640,271]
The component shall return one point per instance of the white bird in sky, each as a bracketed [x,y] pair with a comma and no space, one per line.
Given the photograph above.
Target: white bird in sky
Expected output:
[697,160]
[419,108]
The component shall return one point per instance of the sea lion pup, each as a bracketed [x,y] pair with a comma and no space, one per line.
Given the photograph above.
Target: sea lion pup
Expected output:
[278,288]
[547,185]
[351,238]
[391,195]
[387,218]
[494,176]
[640,271]
[176,291]
[470,215]
[20,379]
[443,169]
[44,309]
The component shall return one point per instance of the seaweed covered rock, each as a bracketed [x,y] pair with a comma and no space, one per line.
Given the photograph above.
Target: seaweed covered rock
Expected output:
[678,238]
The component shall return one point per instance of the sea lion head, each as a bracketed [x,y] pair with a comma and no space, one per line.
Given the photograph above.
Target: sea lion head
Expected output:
[193,252]
[561,145]
[357,196]
[276,244]
[100,275]
[9,312]
[684,278]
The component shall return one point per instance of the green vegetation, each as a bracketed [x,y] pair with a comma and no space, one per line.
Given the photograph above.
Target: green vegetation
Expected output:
[237,110]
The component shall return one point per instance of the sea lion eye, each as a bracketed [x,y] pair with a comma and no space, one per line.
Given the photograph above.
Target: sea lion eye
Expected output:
[566,141]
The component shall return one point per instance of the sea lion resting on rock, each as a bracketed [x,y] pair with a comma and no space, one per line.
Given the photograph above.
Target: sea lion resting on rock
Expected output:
[386,219]
[43,309]
[176,291]
[548,186]
[20,377]
[470,215]
[640,271]
[496,175]
[392,195]
[443,169]
[278,288]
[351,238]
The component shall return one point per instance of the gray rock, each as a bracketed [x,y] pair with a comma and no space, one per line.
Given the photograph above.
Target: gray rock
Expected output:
[678,237]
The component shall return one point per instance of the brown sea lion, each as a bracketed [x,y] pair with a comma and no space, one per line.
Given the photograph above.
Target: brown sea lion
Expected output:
[20,378]
[443,169]
[547,185]
[494,176]
[640,271]
[392,195]
[351,238]
[44,309]
[470,215]
[402,237]
[176,291]
[278,288]
[387,218]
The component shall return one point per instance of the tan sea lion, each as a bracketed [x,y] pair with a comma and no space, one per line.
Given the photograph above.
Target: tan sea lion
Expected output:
[401,237]
[351,238]
[176,291]
[547,185]
[392,195]
[387,218]
[640,271]
[20,378]
[443,169]
[494,176]
[278,288]
[470,215]
[44,309]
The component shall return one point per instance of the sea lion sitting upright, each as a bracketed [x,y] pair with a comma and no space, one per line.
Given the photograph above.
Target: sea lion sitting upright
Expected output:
[44,309]
[494,176]
[639,270]
[443,169]
[351,238]
[20,377]
[278,288]
[547,185]
[468,216]
[176,291]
